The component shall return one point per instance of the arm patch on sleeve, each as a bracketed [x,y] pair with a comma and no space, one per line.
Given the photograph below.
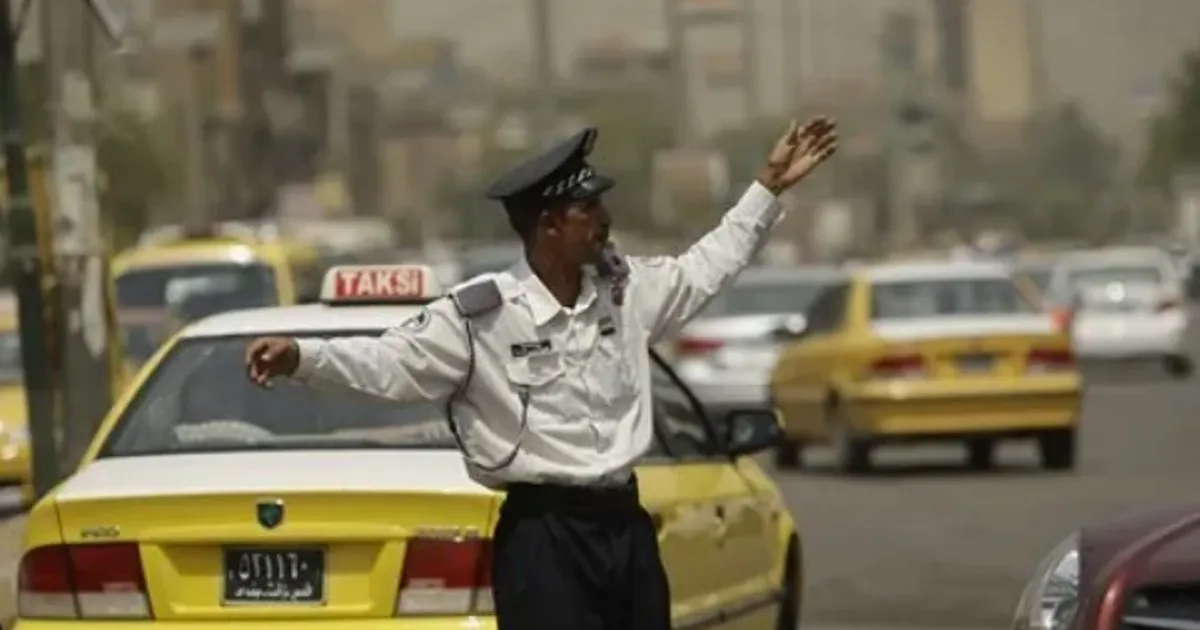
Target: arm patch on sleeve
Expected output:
[476,299]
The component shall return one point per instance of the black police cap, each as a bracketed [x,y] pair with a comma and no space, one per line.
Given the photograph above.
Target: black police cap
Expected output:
[557,175]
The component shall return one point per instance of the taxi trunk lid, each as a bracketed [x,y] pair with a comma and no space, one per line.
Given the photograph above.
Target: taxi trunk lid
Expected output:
[298,534]
[984,346]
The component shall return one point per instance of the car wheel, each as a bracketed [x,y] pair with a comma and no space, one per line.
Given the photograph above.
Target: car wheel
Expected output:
[789,455]
[852,453]
[1057,449]
[981,454]
[789,600]
[1179,366]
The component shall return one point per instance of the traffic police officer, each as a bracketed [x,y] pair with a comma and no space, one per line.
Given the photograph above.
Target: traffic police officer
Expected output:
[546,378]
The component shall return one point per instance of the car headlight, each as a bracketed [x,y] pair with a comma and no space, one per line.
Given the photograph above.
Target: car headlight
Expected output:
[1051,599]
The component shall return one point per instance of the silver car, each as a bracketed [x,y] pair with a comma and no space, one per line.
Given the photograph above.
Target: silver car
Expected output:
[1125,304]
[726,355]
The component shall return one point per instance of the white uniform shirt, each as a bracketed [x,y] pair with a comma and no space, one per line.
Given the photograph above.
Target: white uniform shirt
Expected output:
[586,369]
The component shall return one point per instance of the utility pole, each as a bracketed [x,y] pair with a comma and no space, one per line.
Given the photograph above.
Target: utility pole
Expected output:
[681,103]
[790,36]
[750,78]
[81,259]
[28,269]
[546,100]
[195,114]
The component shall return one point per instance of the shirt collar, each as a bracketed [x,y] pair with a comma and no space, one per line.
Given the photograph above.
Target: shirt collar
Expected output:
[542,304]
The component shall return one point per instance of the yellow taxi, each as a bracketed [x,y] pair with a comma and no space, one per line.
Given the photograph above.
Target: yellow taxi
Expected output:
[15,474]
[927,352]
[175,277]
[206,501]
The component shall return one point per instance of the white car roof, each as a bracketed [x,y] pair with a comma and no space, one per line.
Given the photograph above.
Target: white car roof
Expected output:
[802,274]
[1117,256]
[936,270]
[303,319]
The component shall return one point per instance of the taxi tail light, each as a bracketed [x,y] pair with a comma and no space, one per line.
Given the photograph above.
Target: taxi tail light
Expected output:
[1050,359]
[696,346]
[82,582]
[898,366]
[446,577]
[1167,305]
[1063,318]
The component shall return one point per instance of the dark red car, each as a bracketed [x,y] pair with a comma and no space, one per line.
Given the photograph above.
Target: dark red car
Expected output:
[1140,572]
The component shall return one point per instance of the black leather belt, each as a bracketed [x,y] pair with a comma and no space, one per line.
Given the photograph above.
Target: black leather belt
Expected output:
[548,496]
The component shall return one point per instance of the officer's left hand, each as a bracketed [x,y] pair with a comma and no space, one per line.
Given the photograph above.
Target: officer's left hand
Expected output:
[798,152]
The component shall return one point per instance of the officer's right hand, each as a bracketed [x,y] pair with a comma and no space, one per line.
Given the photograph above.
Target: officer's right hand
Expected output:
[268,357]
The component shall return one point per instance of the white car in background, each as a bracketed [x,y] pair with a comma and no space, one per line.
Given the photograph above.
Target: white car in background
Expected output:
[727,353]
[1125,305]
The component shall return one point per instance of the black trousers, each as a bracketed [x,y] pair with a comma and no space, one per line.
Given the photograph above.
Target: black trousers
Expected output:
[578,559]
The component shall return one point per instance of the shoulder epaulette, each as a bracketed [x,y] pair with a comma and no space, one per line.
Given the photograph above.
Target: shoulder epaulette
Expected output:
[477,298]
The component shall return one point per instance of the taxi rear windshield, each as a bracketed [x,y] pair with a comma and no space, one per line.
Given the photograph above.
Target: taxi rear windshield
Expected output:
[1127,275]
[759,298]
[198,399]
[204,289]
[940,298]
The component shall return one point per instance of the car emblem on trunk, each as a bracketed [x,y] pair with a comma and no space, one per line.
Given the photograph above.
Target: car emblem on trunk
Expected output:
[270,513]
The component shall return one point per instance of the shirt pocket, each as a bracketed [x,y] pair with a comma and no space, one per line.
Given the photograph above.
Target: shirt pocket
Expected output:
[614,372]
[534,371]
[538,381]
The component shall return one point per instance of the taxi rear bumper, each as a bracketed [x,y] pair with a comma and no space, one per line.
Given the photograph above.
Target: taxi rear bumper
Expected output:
[900,410]
[431,623]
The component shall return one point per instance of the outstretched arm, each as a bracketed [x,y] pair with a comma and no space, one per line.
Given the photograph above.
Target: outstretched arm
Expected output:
[422,359]
[672,290]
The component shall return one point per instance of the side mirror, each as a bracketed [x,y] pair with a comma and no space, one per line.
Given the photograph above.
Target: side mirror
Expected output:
[790,327]
[752,431]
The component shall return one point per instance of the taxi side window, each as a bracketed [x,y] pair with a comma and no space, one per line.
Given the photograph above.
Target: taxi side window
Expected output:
[681,431]
[826,313]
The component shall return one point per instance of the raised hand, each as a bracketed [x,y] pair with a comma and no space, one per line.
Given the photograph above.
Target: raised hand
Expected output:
[798,152]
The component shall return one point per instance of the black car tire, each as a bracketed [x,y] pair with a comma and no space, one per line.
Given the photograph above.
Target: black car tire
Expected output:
[981,454]
[789,455]
[852,453]
[1057,449]
[1179,365]
[789,595]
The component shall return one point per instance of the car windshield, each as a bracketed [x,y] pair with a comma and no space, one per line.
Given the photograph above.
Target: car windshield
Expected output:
[758,298]
[198,399]
[195,291]
[11,372]
[1089,277]
[948,297]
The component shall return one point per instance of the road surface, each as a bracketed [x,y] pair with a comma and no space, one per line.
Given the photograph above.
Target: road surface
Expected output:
[929,544]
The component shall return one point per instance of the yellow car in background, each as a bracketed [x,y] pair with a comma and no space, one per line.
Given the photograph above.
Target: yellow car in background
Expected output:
[15,471]
[205,500]
[927,352]
[176,277]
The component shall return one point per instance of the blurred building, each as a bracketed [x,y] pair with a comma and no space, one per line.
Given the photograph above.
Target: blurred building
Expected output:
[1010,57]
[214,62]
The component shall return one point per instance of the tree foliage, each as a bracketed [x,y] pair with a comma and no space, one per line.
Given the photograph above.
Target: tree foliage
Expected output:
[136,175]
[1058,184]
[134,172]
[632,128]
[1174,135]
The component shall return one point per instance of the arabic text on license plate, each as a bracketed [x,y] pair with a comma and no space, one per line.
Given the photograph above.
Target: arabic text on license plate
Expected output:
[273,575]
[975,363]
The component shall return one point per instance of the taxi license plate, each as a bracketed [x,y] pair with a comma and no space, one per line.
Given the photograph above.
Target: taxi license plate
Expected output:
[273,575]
[975,363]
